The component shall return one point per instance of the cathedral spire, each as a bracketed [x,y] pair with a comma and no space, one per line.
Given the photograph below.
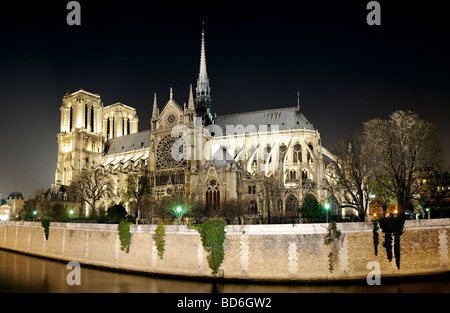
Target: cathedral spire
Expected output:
[203,81]
[155,108]
[203,90]
[191,106]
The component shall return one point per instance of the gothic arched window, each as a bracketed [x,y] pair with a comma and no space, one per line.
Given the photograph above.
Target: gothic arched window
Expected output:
[304,174]
[92,118]
[71,119]
[253,207]
[291,204]
[297,154]
[212,194]
[86,116]
[293,174]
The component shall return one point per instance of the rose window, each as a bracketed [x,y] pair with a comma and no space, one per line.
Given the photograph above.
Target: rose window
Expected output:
[170,152]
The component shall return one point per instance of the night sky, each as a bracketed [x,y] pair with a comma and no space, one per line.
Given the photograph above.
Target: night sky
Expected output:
[259,54]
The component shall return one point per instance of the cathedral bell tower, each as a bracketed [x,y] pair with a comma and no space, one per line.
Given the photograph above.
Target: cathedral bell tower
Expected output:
[203,90]
[80,140]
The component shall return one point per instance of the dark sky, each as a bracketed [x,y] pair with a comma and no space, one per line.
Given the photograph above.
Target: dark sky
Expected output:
[259,54]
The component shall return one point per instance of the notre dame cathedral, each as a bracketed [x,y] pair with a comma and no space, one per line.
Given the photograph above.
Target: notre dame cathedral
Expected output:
[269,159]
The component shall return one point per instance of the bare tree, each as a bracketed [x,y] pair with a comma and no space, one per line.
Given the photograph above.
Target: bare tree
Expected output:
[150,208]
[349,178]
[136,188]
[90,186]
[401,148]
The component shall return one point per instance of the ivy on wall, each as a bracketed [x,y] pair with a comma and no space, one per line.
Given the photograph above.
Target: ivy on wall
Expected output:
[212,234]
[392,227]
[375,237]
[333,234]
[124,235]
[46,225]
[160,233]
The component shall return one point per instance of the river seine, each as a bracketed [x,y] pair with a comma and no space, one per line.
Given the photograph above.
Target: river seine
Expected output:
[23,273]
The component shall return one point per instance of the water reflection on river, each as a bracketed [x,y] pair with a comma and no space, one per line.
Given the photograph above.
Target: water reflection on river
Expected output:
[23,273]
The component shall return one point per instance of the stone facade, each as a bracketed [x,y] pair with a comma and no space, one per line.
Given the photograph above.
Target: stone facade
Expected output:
[265,160]
[252,252]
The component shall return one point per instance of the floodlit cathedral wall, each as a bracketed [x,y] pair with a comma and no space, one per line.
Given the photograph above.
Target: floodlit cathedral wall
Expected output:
[268,159]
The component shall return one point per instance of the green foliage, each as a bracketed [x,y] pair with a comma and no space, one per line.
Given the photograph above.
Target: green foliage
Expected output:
[375,237]
[116,213]
[124,236]
[392,226]
[160,233]
[212,234]
[46,225]
[311,208]
[333,233]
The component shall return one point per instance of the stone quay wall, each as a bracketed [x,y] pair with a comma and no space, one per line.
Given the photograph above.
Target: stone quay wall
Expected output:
[289,252]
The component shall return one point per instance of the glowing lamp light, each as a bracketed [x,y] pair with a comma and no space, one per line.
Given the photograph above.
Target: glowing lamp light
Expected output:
[395,211]
[34,212]
[179,213]
[71,212]
[327,206]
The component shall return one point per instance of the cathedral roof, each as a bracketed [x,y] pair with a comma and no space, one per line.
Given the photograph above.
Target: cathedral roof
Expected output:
[220,158]
[85,92]
[136,141]
[285,118]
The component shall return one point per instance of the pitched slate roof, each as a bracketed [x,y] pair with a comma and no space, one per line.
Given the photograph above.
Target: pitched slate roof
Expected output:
[136,141]
[220,158]
[284,118]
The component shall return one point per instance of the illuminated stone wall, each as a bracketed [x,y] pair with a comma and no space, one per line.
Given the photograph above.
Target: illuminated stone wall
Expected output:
[259,252]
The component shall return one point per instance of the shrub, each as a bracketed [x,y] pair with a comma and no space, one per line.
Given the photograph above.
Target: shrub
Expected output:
[116,213]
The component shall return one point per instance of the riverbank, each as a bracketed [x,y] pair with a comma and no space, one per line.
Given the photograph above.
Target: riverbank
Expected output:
[264,253]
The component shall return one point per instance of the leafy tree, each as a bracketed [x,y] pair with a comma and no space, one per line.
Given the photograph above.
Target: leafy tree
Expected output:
[384,196]
[116,213]
[311,208]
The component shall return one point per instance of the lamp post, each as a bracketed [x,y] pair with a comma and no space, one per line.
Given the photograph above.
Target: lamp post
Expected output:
[327,207]
[179,214]
[34,215]
[428,210]
[71,214]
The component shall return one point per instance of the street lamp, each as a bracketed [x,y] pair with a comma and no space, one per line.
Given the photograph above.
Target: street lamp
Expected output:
[71,214]
[327,207]
[34,215]
[179,214]
[428,210]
